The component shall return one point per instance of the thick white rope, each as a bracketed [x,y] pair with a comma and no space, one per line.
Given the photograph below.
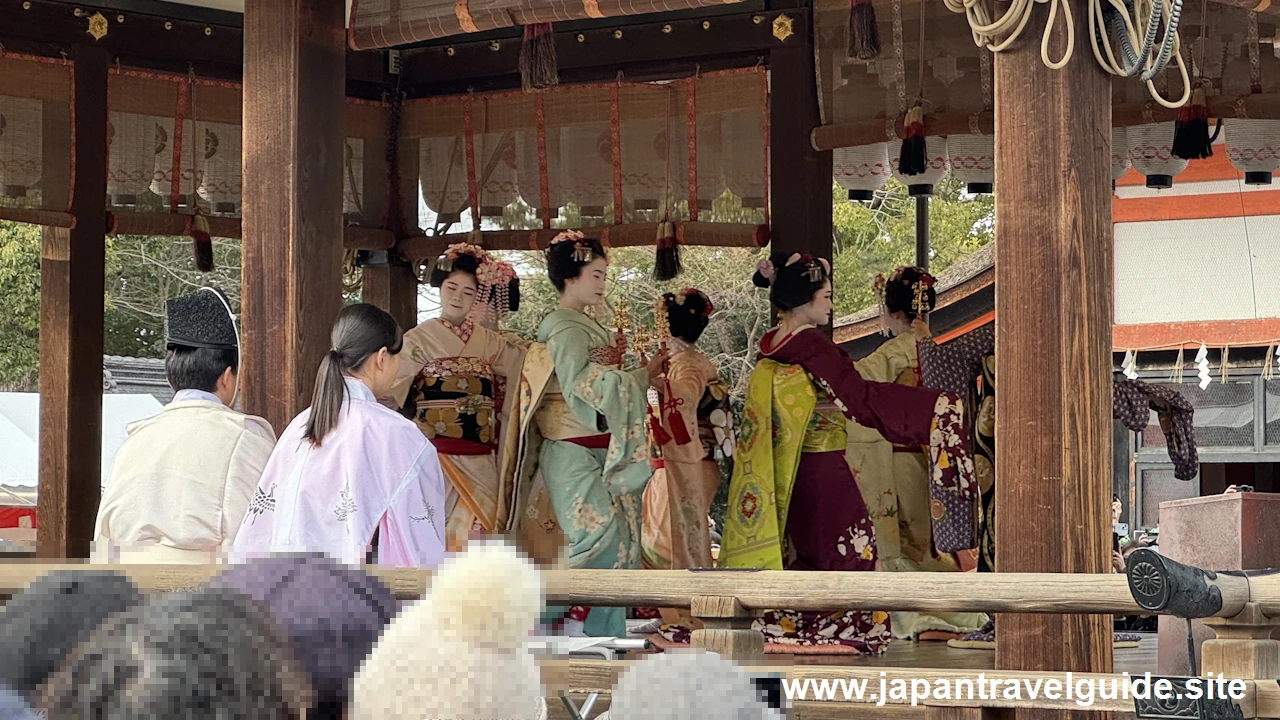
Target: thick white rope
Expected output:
[999,33]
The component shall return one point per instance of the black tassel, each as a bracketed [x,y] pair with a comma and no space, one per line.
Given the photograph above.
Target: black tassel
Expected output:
[538,58]
[202,244]
[912,158]
[864,32]
[666,261]
[1191,139]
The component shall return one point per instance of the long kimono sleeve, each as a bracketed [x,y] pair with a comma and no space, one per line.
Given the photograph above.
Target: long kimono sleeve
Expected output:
[248,460]
[955,365]
[413,528]
[609,400]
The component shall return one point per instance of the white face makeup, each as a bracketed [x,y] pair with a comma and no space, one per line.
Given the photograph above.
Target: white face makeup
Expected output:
[457,296]
[588,288]
[818,310]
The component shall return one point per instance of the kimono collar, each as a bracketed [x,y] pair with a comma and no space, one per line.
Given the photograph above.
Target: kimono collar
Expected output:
[769,336]
[196,396]
[678,345]
[463,331]
[358,390]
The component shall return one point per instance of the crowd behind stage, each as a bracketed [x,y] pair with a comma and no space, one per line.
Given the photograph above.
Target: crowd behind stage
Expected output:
[419,442]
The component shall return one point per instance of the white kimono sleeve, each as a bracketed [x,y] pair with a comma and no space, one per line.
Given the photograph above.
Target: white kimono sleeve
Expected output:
[413,528]
[248,460]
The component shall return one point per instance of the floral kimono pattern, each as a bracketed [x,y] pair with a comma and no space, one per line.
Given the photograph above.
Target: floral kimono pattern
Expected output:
[583,460]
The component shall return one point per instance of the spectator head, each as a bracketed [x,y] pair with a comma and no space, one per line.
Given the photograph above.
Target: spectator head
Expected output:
[693,683]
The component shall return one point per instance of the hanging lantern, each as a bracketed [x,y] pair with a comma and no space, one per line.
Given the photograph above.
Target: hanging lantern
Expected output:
[862,170]
[1253,147]
[973,161]
[21,123]
[935,167]
[442,169]
[131,141]
[219,166]
[496,154]
[1119,155]
[1151,153]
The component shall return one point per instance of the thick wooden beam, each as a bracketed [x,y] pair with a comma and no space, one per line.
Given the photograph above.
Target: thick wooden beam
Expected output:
[1053,343]
[292,218]
[72,280]
[799,176]
[393,288]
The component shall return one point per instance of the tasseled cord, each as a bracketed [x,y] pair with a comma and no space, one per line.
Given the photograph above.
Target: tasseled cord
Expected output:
[666,261]
[202,244]
[538,58]
[1191,139]
[864,33]
[911,161]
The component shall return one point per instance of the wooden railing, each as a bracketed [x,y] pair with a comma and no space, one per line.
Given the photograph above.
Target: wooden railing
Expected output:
[1239,608]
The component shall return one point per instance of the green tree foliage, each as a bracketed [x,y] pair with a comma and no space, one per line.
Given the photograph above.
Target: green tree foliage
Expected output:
[20,298]
[880,236]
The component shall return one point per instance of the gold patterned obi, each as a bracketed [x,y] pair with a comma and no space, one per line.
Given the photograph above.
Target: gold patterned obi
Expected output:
[827,430]
[453,401]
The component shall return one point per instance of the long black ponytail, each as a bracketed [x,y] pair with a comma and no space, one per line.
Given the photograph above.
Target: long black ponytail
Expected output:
[359,333]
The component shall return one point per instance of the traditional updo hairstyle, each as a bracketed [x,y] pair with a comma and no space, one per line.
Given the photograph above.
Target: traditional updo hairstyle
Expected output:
[793,279]
[568,254]
[688,313]
[900,292]
[461,262]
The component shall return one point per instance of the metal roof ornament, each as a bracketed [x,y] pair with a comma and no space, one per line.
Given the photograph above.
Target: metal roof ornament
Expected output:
[782,27]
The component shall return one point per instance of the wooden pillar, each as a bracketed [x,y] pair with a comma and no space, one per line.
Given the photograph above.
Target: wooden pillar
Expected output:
[394,288]
[799,177]
[72,280]
[294,85]
[1053,342]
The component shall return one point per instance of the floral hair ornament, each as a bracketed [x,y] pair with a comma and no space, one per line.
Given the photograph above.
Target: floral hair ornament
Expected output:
[452,252]
[581,251]
[920,289]
[766,270]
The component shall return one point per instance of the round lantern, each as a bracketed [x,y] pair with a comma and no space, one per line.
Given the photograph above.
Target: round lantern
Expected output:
[219,165]
[862,170]
[1119,155]
[1253,147]
[442,173]
[20,159]
[935,166]
[973,161]
[1149,151]
[131,149]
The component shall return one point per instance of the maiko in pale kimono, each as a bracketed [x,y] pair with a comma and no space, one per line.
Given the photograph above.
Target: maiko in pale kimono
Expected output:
[793,503]
[450,380]
[582,460]
[348,466]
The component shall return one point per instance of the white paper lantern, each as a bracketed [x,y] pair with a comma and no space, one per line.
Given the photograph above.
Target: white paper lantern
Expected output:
[219,167]
[861,170]
[1119,155]
[131,140]
[935,166]
[973,161]
[442,172]
[1150,153]
[20,141]
[1253,147]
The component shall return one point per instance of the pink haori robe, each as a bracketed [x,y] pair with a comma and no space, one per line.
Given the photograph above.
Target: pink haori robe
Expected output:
[374,470]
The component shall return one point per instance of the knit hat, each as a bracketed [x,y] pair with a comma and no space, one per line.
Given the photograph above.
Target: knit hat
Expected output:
[687,684]
[459,652]
[56,612]
[330,613]
[13,707]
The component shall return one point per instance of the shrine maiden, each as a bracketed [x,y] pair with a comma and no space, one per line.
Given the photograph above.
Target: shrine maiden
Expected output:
[583,458]
[793,503]
[348,466]
[449,373]
[167,499]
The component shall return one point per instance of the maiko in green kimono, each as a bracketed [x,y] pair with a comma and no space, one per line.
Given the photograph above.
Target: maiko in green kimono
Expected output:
[584,451]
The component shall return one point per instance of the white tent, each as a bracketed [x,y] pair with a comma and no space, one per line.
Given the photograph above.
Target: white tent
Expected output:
[20,434]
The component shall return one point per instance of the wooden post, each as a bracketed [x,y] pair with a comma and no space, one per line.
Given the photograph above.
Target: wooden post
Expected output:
[799,176]
[1242,646]
[726,628]
[393,288]
[72,282]
[1053,342]
[294,80]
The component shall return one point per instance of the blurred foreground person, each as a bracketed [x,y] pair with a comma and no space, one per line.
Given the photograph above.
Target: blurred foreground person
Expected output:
[212,654]
[42,626]
[682,684]
[459,652]
[181,483]
[330,613]
[13,707]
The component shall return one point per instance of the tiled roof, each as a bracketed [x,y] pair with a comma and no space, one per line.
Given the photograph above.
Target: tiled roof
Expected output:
[136,376]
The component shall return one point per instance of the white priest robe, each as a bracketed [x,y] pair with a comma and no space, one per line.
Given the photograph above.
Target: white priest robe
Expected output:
[180,484]
[375,470]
